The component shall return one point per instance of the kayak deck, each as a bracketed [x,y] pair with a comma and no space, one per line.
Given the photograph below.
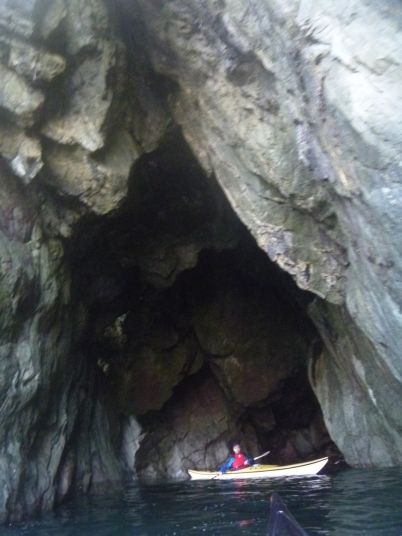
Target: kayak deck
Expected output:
[263,471]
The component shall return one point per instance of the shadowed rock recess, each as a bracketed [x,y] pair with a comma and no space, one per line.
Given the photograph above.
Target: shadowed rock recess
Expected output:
[200,238]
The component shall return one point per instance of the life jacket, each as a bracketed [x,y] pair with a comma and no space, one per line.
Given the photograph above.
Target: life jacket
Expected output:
[239,461]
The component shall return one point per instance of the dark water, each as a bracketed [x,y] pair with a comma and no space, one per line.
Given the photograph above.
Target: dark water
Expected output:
[352,502]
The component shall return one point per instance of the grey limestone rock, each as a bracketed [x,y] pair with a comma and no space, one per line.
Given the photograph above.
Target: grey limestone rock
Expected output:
[31,61]
[245,332]
[98,182]
[186,437]
[56,432]
[47,393]
[296,108]
[22,151]
[17,98]
[16,16]
[88,95]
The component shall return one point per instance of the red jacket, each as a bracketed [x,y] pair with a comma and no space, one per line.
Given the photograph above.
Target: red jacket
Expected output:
[239,461]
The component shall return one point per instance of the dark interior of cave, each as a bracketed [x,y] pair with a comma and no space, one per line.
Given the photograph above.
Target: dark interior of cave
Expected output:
[190,327]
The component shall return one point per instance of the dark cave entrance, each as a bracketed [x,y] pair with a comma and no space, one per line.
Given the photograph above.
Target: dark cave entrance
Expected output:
[190,328]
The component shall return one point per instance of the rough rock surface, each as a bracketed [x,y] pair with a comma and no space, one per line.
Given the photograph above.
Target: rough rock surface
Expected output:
[48,398]
[56,432]
[296,112]
[152,324]
[296,109]
[244,330]
[176,441]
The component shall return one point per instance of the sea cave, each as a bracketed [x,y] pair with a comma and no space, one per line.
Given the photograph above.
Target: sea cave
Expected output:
[199,240]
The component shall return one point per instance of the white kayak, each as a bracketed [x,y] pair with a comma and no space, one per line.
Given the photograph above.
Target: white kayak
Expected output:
[263,471]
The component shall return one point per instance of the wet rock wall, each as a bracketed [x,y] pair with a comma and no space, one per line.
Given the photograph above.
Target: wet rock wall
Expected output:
[294,113]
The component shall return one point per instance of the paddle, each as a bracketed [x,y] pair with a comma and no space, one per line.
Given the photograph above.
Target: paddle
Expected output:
[256,458]
[262,455]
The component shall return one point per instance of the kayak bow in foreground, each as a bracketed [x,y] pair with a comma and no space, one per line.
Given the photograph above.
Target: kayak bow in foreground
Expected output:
[263,471]
[281,522]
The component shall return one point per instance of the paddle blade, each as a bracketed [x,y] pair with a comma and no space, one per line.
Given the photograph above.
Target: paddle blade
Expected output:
[281,522]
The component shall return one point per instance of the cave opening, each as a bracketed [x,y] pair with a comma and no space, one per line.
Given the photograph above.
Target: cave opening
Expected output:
[189,328]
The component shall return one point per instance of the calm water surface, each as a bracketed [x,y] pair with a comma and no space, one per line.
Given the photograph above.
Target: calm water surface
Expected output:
[352,502]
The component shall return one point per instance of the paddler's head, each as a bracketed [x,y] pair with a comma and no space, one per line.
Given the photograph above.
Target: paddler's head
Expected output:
[236,448]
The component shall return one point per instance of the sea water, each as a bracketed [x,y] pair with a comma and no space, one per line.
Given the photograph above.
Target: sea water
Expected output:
[351,502]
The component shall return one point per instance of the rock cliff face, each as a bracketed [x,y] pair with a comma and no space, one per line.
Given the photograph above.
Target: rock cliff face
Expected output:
[54,429]
[136,311]
[295,109]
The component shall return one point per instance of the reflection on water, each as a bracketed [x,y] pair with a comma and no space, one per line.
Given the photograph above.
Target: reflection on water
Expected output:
[352,502]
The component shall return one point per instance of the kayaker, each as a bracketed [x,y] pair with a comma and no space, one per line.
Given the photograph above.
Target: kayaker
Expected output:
[238,460]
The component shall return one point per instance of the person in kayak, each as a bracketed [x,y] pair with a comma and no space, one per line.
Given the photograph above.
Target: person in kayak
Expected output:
[238,460]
